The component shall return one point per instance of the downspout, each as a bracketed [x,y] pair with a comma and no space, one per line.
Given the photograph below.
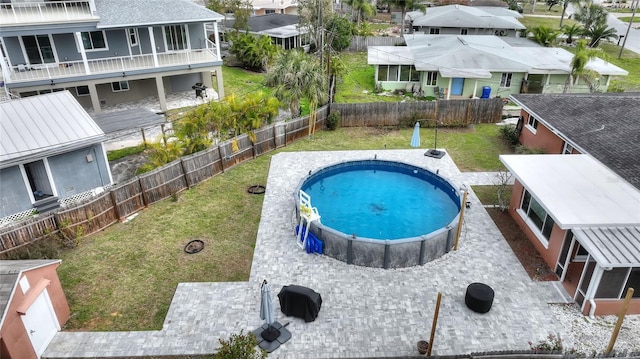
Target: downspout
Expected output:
[593,286]
[592,310]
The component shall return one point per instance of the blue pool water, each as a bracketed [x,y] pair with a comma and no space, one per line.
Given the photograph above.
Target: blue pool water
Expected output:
[382,199]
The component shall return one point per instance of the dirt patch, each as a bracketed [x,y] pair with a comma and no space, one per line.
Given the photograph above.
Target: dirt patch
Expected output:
[531,260]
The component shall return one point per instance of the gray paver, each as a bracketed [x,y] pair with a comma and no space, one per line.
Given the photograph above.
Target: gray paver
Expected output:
[365,311]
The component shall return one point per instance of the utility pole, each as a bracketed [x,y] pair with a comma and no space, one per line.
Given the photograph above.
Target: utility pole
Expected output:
[626,36]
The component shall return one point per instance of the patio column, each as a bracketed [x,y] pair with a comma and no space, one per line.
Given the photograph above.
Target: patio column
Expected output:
[449,89]
[161,94]
[83,53]
[153,46]
[217,38]
[220,83]
[95,100]
[6,74]
[475,88]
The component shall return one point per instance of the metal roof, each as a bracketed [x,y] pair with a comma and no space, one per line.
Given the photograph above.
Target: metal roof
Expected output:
[611,247]
[44,125]
[123,13]
[460,16]
[389,55]
[577,191]
[9,272]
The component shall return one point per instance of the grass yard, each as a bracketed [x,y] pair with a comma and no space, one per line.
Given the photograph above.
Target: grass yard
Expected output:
[534,21]
[124,278]
[240,82]
[628,19]
[358,83]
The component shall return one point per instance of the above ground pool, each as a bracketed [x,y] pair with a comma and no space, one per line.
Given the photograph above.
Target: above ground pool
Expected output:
[380,213]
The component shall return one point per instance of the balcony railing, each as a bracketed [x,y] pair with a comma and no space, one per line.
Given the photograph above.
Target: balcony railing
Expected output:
[123,64]
[22,13]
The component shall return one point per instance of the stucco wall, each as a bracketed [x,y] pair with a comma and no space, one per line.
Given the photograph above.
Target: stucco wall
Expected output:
[542,138]
[14,334]
[613,306]
[72,174]
[14,197]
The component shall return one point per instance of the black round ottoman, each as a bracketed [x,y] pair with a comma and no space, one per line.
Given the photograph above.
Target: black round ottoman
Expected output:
[479,297]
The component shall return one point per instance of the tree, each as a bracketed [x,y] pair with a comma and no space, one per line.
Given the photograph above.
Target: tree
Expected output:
[361,9]
[565,5]
[296,76]
[545,35]
[580,59]
[600,32]
[551,3]
[309,19]
[241,10]
[255,52]
[339,32]
[591,14]
[406,5]
[572,30]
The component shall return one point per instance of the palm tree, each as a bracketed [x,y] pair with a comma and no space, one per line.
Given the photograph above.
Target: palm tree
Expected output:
[572,30]
[600,32]
[406,5]
[362,9]
[545,35]
[296,76]
[580,59]
[591,14]
[565,4]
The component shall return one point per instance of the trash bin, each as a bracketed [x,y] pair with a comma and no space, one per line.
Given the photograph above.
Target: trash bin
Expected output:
[486,91]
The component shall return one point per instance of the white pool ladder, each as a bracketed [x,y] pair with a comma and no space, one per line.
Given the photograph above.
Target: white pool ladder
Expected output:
[308,214]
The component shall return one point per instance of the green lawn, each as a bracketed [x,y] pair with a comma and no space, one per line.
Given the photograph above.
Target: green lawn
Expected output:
[628,19]
[124,277]
[542,9]
[240,82]
[357,84]
[534,21]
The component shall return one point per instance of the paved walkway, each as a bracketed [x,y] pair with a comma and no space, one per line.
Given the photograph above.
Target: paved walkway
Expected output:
[365,311]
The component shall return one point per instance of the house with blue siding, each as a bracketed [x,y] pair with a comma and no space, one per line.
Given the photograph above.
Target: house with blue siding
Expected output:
[106,52]
[51,152]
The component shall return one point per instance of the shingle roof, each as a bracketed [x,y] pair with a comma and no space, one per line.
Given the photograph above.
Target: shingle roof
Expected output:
[44,125]
[266,22]
[604,125]
[9,272]
[122,13]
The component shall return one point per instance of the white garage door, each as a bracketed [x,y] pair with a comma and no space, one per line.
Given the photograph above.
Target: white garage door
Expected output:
[41,323]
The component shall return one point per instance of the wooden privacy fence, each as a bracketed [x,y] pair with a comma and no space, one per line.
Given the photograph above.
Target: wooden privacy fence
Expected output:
[448,113]
[361,43]
[130,197]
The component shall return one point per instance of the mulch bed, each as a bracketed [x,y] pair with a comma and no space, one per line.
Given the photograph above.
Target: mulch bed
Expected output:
[531,260]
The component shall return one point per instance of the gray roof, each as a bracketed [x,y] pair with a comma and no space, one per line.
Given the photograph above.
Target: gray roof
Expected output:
[476,56]
[44,125]
[9,272]
[460,16]
[266,22]
[611,247]
[122,13]
[604,125]
[130,119]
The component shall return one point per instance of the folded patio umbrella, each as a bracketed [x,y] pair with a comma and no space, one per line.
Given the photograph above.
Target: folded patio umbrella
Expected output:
[415,139]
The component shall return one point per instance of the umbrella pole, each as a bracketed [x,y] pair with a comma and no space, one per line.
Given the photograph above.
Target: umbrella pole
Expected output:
[464,205]
[434,324]
[621,316]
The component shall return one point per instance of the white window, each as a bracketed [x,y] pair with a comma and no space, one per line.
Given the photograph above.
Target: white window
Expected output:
[464,31]
[82,90]
[94,40]
[432,78]
[568,149]
[409,73]
[434,30]
[119,86]
[532,124]
[505,81]
[536,218]
[133,36]
[176,37]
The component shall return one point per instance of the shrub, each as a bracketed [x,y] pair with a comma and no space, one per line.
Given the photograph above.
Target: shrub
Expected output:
[240,346]
[333,120]
[510,134]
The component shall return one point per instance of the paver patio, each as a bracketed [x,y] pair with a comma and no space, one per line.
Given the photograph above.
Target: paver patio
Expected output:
[365,311]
